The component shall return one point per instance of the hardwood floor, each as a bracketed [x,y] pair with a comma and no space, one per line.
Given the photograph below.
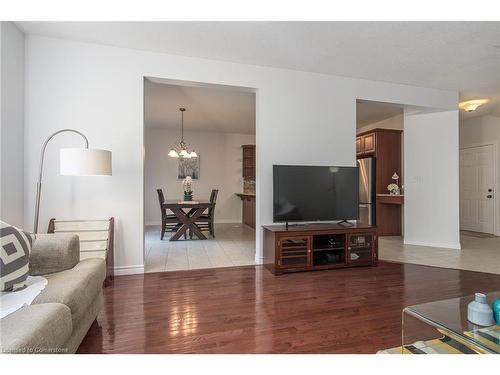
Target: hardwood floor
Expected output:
[248,310]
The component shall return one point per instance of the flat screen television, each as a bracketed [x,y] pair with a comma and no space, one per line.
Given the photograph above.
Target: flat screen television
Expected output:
[315,193]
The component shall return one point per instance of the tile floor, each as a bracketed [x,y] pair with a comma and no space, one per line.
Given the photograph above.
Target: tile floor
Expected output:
[234,245]
[477,254]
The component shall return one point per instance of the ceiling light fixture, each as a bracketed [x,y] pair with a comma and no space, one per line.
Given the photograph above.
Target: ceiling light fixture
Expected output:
[472,105]
[181,149]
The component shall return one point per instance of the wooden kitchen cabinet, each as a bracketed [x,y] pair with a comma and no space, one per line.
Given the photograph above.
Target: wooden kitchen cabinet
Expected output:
[369,143]
[248,162]
[248,210]
[248,195]
[358,146]
[366,144]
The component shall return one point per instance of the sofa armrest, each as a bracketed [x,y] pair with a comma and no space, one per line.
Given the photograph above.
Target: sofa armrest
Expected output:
[54,253]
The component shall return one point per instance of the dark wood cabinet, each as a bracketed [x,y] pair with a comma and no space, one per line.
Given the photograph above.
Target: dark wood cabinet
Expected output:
[358,146]
[369,143]
[366,144]
[319,246]
[248,209]
[248,162]
[248,195]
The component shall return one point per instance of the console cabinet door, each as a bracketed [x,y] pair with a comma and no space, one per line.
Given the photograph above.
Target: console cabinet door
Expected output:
[361,248]
[294,252]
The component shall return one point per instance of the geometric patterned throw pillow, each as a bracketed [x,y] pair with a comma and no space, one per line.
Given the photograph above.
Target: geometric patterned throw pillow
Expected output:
[15,247]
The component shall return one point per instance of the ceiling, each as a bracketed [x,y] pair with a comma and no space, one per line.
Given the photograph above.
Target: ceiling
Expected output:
[368,112]
[461,56]
[209,108]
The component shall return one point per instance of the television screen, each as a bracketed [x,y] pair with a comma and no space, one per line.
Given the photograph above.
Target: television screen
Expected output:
[315,193]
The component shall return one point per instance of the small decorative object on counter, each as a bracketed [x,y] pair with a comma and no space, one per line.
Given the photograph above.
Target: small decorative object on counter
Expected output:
[393,189]
[495,306]
[187,184]
[479,312]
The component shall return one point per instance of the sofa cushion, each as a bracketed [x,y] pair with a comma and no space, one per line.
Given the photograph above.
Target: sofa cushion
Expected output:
[54,253]
[15,247]
[76,288]
[41,328]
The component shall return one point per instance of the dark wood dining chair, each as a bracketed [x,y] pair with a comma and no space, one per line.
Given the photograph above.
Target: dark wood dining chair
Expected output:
[206,222]
[169,222]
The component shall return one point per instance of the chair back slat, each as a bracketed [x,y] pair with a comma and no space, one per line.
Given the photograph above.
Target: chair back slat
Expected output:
[213,199]
[161,200]
[161,197]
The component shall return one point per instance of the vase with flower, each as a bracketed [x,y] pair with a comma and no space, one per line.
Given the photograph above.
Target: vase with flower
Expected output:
[187,184]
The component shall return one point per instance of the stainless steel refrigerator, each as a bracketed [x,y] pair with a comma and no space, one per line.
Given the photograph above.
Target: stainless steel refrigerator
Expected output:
[366,167]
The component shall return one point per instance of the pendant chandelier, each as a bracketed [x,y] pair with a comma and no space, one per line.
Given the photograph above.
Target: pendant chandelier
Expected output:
[181,149]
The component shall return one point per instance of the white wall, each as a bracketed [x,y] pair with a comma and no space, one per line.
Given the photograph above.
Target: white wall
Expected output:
[12,125]
[431,179]
[220,168]
[483,130]
[302,118]
[394,122]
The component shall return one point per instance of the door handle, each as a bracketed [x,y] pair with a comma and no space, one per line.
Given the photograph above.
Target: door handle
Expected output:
[489,196]
[490,190]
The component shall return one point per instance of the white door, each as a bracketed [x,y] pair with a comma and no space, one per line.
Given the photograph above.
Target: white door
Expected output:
[477,181]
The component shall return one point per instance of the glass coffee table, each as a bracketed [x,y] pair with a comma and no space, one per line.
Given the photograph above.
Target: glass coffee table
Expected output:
[442,327]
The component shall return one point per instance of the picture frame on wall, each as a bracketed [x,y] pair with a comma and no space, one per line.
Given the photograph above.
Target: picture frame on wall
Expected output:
[189,167]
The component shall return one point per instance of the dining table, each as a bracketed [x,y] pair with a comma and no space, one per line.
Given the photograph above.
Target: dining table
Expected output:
[187,212]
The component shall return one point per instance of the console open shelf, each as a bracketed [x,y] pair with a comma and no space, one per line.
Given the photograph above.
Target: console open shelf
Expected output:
[315,247]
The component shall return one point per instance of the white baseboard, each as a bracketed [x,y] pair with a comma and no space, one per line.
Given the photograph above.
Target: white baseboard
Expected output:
[444,245]
[128,270]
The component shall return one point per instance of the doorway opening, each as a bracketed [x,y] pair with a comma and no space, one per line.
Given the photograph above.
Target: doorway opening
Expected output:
[379,155]
[199,175]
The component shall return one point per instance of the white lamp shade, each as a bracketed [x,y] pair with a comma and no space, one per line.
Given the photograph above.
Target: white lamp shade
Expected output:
[173,154]
[85,162]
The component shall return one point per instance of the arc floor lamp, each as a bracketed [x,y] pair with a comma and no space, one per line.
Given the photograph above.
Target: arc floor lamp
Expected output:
[74,162]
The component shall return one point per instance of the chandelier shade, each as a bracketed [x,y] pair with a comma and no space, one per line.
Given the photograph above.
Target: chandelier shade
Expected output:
[181,149]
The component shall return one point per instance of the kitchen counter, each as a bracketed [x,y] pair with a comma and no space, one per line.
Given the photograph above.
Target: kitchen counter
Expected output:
[248,208]
[243,195]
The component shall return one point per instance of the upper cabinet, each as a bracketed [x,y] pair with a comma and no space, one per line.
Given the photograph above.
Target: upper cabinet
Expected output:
[369,142]
[358,146]
[366,144]
[248,162]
